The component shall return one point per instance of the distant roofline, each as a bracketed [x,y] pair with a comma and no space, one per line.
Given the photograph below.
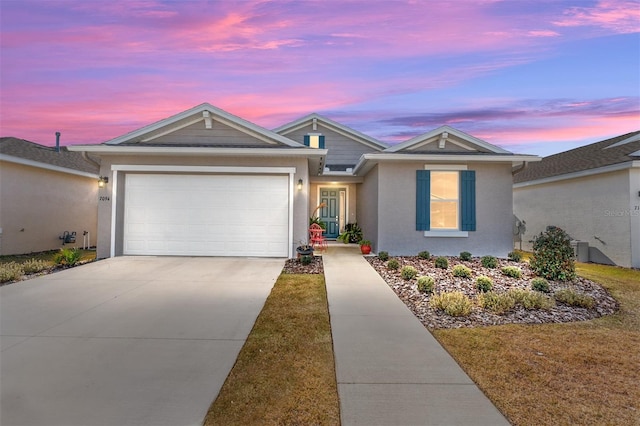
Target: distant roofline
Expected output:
[46,166]
[581,173]
[613,153]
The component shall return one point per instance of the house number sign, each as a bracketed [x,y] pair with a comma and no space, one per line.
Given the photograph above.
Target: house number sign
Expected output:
[104,198]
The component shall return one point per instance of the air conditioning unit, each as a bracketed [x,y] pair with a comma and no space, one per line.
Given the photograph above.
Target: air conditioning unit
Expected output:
[580,250]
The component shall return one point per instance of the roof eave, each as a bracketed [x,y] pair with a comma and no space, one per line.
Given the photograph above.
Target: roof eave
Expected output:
[367,161]
[187,151]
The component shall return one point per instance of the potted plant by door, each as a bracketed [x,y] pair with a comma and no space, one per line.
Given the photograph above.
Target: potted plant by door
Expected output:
[365,246]
[304,250]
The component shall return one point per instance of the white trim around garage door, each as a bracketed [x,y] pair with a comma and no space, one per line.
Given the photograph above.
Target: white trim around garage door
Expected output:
[115,168]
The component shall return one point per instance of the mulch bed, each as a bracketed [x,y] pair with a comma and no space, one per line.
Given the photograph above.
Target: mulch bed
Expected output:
[294,266]
[418,302]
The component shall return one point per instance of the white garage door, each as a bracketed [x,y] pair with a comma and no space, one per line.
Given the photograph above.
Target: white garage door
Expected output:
[206,215]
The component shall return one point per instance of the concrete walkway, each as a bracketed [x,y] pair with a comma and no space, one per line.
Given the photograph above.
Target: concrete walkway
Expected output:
[390,369]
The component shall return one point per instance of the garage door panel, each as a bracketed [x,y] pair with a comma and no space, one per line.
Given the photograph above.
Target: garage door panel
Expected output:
[208,215]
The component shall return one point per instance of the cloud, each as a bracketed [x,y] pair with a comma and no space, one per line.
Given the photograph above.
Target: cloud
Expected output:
[529,108]
[95,70]
[526,121]
[542,33]
[619,16]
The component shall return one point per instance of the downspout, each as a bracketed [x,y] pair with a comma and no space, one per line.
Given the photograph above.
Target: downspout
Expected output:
[519,168]
[90,160]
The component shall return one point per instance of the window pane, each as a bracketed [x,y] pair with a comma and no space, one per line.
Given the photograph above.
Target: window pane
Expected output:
[444,185]
[314,141]
[444,215]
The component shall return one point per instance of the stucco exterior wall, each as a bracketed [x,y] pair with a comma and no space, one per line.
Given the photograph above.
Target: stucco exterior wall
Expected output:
[397,213]
[38,205]
[595,209]
[368,203]
[301,197]
[634,217]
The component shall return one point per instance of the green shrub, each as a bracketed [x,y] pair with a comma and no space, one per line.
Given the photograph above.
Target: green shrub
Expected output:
[514,256]
[352,233]
[454,303]
[424,255]
[489,262]
[383,255]
[33,266]
[393,264]
[465,255]
[573,298]
[540,284]
[484,284]
[426,284]
[497,303]
[512,271]
[408,272]
[306,260]
[442,262]
[461,271]
[69,256]
[531,299]
[11,271]
[553,256]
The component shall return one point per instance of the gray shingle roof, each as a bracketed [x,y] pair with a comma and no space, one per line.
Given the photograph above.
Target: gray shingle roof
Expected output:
[47,155]
[586,157]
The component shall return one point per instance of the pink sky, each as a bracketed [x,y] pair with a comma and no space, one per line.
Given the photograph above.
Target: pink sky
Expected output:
[531,76]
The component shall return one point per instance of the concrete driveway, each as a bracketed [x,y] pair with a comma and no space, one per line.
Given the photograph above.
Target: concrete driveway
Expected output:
[128,340]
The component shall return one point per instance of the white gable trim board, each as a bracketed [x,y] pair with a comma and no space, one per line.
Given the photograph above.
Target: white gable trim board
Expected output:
[204,210]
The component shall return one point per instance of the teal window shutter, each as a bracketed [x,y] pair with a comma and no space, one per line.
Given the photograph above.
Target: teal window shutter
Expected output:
[307,139]
[468,200]
[423,200]
[321,142]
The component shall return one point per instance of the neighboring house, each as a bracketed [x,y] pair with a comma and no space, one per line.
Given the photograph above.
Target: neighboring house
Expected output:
[592,192]
[44,192]
[206,182]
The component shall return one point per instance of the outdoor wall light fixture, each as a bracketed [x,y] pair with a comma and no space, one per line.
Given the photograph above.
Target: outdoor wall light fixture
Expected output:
[103,181]
[299,184]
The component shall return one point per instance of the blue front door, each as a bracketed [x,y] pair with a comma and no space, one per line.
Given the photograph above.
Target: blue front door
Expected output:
[333,199]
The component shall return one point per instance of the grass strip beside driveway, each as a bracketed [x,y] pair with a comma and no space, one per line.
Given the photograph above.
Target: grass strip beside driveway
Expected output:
[285,371]
[575,373]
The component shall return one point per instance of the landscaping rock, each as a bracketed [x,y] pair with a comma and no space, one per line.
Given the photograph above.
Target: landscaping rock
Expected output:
[294,266]
[418,302]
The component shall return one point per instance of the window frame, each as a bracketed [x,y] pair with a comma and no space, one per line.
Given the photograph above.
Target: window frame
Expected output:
[449,233]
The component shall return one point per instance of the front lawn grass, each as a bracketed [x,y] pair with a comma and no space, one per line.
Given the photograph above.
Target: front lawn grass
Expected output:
[574,373]
[285,371]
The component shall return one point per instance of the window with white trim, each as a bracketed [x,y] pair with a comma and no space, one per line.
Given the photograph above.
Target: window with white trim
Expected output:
[314,140]
[444,200]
